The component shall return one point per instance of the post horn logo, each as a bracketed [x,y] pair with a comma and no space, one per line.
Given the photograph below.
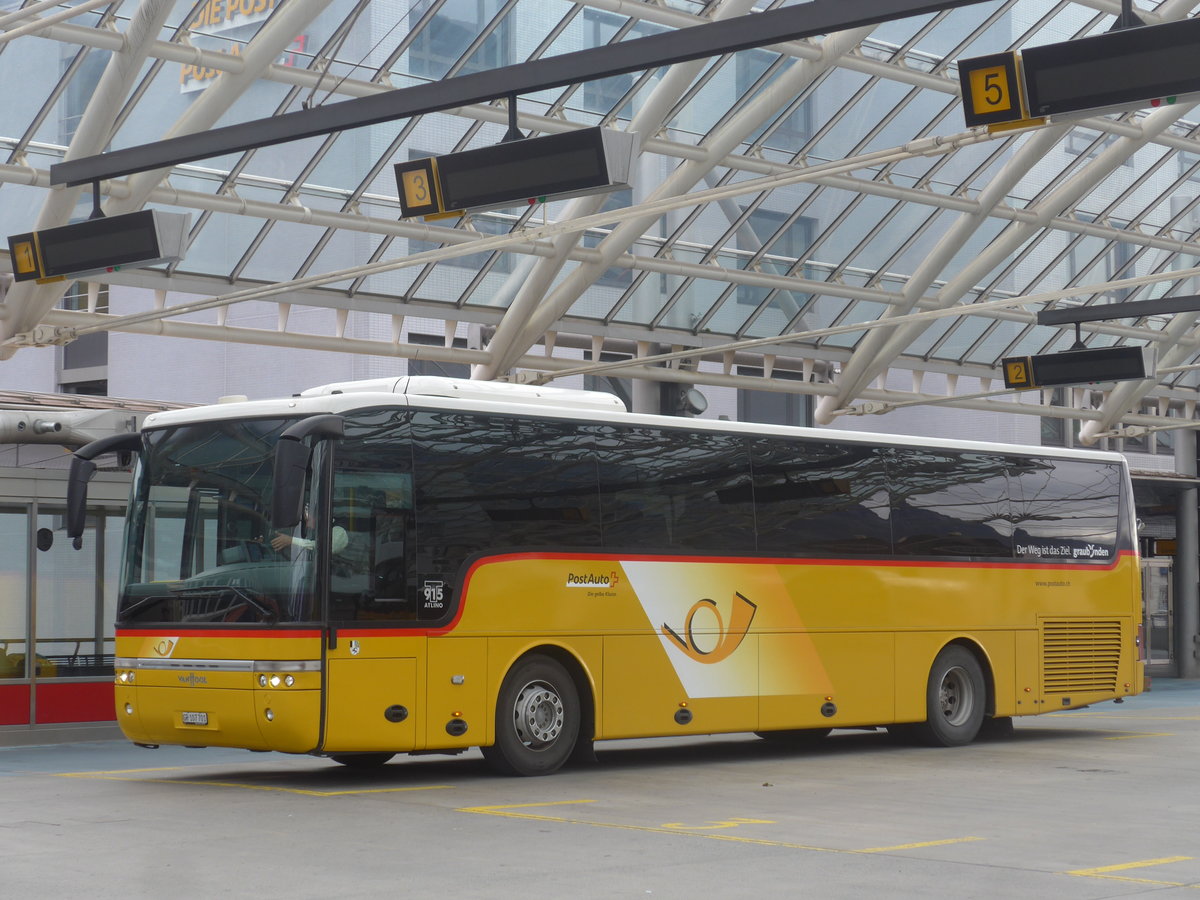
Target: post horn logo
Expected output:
[729,638]
[165,647]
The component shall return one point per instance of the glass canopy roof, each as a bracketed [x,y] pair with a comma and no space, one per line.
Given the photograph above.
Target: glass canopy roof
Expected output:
[812,216]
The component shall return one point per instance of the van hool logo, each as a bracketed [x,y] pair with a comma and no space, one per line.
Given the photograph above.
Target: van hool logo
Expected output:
[728,639]
[592,580]
[191,678]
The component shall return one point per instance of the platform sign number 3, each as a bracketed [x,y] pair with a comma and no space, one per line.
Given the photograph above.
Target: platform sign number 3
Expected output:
[417,181]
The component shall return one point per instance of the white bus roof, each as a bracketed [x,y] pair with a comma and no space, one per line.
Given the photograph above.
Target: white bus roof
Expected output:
[502,397]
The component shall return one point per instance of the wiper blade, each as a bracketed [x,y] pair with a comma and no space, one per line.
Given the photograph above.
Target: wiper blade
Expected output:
[224,592]
[143,604]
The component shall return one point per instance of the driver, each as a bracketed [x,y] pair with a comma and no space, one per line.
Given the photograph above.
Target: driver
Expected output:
[338,537]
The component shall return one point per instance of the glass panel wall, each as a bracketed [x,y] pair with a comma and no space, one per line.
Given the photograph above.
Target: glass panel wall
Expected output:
[14,612]
[72,634]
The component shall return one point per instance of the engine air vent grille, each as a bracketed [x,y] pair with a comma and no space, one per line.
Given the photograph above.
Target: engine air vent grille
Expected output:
[1080,655]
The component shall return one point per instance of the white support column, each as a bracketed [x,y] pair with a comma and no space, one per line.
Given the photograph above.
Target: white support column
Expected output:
[28,302]
[882,346]
[535,311]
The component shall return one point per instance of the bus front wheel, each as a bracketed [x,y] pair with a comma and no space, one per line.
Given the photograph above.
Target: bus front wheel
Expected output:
[537,719]
[954,700]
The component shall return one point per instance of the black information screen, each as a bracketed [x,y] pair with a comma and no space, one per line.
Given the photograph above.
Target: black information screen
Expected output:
[523,170]
[1121,67]
[1087,366]
[99,243]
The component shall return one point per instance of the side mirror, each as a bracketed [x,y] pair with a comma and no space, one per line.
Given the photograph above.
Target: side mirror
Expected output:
[287,493]
[82,470]
[291,466]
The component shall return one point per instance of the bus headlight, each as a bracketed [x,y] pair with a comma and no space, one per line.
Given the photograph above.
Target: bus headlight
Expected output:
[270,714]
[262,680]
[275,680]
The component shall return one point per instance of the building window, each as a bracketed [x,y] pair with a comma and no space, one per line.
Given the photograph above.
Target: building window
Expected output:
[784,247]
[622,388]
[88,351]
[1089,143]
[473,261]
[793,129]
[1081,259]
[1189,164]
[1054,430]
[614,276]
[76,297]
[773,407]
[603,94]
[97,388]
[453,28]
[79,91]
[432,366]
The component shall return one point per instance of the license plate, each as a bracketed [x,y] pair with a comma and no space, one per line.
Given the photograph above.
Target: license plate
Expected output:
[195,718]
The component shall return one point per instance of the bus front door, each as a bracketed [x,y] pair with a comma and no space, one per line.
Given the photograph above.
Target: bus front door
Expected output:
[371,692]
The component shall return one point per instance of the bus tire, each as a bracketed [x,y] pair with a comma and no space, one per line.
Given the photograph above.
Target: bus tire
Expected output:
[955,699]
[537,719]
[362,760]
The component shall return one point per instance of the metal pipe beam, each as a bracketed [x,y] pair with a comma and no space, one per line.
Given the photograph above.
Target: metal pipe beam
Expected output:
[742,33]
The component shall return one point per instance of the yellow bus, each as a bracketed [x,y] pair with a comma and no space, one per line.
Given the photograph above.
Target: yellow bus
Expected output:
[426,564]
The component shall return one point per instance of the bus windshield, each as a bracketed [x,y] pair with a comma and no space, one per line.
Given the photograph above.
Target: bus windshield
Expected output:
[200,544]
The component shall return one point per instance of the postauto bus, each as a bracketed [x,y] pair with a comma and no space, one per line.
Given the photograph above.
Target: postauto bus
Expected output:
[427,564]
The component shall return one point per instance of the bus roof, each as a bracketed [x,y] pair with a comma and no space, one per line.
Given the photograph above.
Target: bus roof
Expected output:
[428,391]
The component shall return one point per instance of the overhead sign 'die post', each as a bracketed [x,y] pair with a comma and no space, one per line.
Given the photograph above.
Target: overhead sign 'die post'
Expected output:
[106,244]
[533,170]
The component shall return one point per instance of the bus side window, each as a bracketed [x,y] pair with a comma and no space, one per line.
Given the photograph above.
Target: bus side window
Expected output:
[389,568]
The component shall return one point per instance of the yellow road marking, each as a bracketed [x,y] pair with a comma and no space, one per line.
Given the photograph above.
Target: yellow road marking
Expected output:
[1129,735]
[720,823]
[674,828]
[962,840]
[1126,716]
[115,776]
[1104,871]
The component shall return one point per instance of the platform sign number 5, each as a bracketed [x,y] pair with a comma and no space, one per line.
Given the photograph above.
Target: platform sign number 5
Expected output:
[991,89]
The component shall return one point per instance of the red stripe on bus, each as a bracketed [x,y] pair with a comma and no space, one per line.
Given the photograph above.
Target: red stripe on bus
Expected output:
[433,631]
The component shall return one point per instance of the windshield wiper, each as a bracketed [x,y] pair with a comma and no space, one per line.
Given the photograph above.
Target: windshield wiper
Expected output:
[128,612]
[222,593]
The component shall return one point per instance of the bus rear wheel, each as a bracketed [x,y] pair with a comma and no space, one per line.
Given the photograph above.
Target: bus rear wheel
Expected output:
[537,719]
[955,699]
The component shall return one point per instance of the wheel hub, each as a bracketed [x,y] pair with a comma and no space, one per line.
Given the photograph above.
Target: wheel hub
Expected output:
[538,714]
[956,696]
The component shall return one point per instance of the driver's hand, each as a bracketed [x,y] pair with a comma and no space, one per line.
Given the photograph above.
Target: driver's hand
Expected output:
[280,541]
